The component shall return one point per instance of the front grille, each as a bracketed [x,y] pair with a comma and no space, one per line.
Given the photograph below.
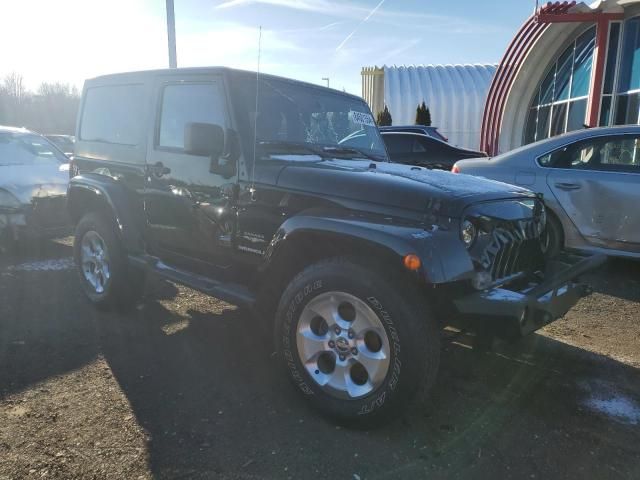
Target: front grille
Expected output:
[513,248]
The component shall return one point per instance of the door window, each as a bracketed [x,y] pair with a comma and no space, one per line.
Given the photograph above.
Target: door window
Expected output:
[615,154]
[188,103]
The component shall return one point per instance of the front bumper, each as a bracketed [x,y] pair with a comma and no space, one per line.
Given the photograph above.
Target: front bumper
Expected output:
[518,312]
[46,218]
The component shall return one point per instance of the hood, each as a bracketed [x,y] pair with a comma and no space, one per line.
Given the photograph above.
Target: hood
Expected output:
[26,182]
[397,185]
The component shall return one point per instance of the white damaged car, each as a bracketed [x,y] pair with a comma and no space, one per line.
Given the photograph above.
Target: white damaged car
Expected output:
[33,185]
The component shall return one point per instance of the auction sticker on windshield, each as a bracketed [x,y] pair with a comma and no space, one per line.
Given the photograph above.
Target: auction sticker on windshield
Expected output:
[361,118]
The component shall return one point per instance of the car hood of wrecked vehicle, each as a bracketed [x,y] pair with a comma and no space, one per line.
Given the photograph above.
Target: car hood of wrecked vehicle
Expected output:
[26,182]
[396,185]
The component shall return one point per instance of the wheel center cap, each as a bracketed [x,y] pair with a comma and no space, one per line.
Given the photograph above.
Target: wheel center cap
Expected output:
[342,344]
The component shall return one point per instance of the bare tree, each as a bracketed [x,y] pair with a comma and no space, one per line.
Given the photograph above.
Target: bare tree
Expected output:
[13,87]
[52,109]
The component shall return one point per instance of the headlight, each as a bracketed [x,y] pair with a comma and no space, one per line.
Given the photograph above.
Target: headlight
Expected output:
[8,201]
[468,232]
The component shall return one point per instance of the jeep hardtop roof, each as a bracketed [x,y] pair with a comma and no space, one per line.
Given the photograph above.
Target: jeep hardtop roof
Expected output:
[142,75]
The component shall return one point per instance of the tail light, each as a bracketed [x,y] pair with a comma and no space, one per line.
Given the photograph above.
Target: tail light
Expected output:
[455,168]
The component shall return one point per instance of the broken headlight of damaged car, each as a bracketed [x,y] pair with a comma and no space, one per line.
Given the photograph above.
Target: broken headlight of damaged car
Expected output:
[468,232]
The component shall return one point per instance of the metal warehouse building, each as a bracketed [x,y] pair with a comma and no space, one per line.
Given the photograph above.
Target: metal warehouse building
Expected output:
[455,95]
[568,66]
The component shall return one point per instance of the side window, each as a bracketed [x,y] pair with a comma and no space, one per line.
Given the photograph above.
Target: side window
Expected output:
[113,114]
[418,146]
[554,159]
[621,154]
[188,103]
[617,154]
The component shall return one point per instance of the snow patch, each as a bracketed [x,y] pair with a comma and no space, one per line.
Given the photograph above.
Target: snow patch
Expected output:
[603,398]
[51,265]
[619,407]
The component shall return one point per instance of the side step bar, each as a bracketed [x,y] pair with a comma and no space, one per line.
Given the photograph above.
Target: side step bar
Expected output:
[229,292]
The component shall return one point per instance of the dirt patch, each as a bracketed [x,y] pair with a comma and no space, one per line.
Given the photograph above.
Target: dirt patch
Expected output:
[77,425]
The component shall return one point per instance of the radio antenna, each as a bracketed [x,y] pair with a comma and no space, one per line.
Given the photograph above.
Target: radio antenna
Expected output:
[252,188]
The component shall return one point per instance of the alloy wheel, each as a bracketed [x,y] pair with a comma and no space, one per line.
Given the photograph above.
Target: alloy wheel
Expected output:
[95,261]
[343,345]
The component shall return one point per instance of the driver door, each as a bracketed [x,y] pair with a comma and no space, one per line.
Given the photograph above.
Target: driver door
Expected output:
[190,210]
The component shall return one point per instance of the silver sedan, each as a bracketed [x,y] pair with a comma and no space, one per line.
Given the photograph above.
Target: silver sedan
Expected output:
[590,181]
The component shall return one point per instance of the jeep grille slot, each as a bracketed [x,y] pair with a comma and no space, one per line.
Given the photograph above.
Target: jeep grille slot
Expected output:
[514,248]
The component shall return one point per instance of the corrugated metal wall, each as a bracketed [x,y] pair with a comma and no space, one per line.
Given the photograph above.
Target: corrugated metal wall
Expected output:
[373,88]
[455,95]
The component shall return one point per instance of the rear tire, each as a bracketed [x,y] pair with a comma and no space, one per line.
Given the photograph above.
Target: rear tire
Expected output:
[105,274]
[357,346]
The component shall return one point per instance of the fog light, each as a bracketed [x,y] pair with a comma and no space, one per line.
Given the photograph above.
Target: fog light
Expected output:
[481,280]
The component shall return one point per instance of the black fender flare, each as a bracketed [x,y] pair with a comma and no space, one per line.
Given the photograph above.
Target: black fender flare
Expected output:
[441,258]
[91,192]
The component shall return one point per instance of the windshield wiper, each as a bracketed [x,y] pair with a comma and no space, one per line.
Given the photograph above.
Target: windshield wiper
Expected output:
[324,152]
[349,151]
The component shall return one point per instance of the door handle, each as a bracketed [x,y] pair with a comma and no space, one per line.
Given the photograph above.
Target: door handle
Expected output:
[568,186]
[158,169]
[251,190]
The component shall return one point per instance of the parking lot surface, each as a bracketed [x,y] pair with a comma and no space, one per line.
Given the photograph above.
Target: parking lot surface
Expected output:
[186,386]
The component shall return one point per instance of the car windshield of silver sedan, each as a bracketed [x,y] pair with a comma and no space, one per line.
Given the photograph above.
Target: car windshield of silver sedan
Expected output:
[27,149]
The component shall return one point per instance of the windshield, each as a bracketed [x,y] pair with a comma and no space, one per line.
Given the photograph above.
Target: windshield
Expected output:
[28,149]
[295,114]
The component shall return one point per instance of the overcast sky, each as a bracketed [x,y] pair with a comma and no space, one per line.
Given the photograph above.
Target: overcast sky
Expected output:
[70,40]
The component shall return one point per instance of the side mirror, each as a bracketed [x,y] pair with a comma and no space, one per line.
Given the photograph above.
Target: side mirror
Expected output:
[227,163]
[204,139]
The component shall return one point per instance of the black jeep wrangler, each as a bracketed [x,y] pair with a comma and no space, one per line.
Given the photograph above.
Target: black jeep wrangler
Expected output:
[278,195]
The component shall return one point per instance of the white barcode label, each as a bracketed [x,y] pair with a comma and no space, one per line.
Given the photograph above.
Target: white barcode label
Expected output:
[361,118]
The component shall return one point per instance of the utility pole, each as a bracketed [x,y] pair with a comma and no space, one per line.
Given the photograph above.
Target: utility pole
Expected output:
[326,79]
[171,34]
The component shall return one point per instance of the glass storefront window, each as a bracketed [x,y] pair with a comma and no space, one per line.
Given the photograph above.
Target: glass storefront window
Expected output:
[530,129]
[630,62]
[627,98]
[605,111]
[612,58]
[577,114]
[627,108]
[563,76]
[582,65]
[560,102]
[559,117]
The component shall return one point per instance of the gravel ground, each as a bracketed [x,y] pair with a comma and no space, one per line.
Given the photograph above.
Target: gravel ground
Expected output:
[186,387]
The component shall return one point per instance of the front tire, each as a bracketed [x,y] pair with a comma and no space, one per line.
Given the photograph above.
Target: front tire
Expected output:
[357,346]
[105,274]
[552,237]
